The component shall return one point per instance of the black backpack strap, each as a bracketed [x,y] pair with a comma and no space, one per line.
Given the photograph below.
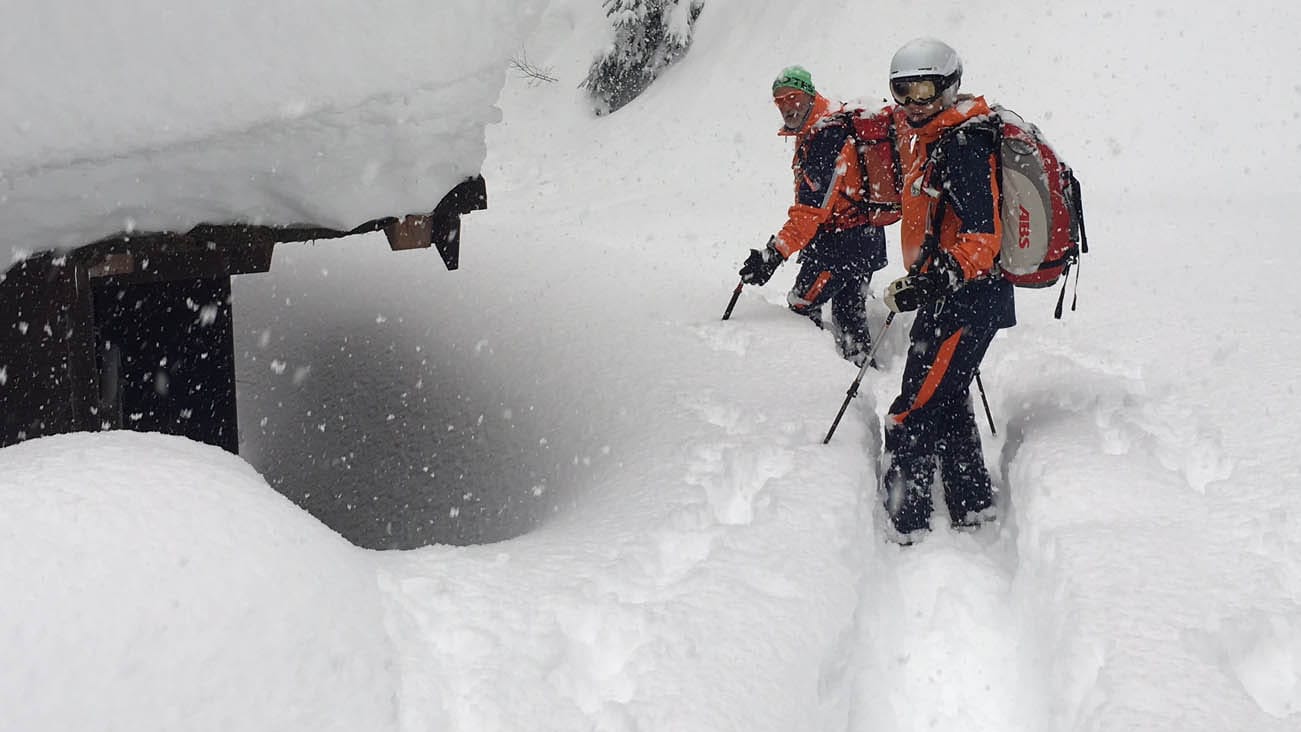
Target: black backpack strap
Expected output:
[894,153]
[931,242]
[1073,185]
[1076,204]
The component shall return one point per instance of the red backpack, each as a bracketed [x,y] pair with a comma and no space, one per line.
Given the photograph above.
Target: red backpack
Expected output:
[878,158]
[1041,208]
[1039,204]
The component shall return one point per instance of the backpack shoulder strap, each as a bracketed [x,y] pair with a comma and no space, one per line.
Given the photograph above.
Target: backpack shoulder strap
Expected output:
[894,153]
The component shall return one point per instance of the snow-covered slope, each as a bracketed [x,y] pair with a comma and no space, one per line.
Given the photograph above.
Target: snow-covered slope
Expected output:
[707,563]
[1109,460]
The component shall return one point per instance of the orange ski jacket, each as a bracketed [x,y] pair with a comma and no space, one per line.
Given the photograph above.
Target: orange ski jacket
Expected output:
[954,173]
[828,177]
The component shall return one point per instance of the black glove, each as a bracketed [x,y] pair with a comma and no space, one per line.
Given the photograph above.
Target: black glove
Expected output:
[913,291]
[761,264]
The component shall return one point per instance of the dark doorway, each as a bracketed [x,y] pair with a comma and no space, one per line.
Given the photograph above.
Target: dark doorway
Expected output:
[165,359]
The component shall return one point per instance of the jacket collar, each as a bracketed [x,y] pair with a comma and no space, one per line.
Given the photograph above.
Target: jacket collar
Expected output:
[967,108]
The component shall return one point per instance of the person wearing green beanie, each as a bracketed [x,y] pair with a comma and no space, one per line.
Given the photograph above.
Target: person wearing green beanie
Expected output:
[839,247]
[794,94]
[795,77]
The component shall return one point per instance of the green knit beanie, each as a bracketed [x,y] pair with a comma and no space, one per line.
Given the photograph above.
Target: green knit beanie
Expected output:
[795,77]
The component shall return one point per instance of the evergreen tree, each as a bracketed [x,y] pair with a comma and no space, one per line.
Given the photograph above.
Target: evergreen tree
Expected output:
[649,35]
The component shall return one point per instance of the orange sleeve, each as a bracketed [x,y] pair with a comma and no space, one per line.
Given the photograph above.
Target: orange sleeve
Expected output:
[801,226]
[975,253]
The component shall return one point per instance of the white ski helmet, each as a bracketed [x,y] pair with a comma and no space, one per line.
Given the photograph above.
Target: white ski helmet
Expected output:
[929,58]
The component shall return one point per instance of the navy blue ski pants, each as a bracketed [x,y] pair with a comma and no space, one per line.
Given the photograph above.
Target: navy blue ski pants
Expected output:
[932,425]
[844,285]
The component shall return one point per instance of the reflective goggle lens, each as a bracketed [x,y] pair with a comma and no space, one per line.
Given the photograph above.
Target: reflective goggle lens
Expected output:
[915,91]
[790,100]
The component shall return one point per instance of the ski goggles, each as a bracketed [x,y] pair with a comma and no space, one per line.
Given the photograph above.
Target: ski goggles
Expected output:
[792,101]
[917,91]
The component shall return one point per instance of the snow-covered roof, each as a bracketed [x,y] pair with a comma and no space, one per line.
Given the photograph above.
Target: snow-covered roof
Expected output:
[271,112]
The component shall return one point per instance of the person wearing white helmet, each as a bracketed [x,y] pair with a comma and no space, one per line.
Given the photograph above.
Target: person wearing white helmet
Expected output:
[950,235]
[839,248]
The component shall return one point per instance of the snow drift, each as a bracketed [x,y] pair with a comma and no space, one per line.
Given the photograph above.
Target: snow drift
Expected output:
[149,117]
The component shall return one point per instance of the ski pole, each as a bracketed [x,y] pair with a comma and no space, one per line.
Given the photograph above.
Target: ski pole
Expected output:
[853,388]
[988,415]
[732,303]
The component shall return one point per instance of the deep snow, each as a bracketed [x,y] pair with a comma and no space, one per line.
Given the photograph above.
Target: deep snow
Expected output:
[145,116]
[698,559]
